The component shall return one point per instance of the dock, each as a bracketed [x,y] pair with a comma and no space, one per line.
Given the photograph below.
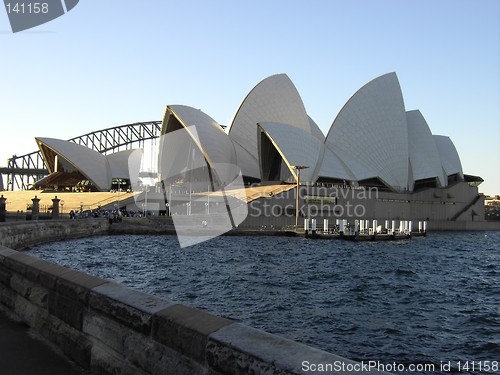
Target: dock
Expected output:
[365,230]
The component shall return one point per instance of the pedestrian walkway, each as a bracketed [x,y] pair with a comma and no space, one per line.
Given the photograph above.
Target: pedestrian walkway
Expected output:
[22,354]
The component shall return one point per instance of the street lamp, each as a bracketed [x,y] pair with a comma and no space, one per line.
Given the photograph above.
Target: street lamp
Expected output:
[145,205]
[62,206]
[298,168]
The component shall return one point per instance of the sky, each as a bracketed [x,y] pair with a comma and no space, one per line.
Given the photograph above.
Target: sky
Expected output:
[115,62]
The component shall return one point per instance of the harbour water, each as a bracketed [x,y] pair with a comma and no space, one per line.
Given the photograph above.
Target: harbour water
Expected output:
[432,300]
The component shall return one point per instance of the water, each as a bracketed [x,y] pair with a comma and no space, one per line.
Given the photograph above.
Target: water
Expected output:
[428,300]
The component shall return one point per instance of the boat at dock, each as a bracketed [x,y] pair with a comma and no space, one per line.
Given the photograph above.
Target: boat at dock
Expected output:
[365,230]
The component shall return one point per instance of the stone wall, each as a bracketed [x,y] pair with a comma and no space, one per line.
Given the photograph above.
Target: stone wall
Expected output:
[143,225]
[19,235]
[111,329]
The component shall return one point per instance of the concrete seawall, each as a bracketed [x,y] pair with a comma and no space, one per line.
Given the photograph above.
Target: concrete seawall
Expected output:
[464,226]
[111,329]
[164,225]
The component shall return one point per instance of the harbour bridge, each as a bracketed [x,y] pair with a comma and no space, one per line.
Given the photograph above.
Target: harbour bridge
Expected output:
[23,171]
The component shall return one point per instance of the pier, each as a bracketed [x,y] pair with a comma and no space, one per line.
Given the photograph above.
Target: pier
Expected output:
[365,230]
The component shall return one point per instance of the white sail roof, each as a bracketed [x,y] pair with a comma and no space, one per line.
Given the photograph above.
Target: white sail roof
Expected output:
[208,135]
[449,156]
[90,163]
[371,131]
[276,100]
[119,163]
[423,153]
[296,147]
[333,167]
[315,130]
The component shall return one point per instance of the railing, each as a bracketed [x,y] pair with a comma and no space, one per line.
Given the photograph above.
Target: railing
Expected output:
[104,202]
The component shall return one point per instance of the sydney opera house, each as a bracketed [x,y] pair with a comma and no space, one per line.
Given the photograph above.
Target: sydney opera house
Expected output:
[377,160]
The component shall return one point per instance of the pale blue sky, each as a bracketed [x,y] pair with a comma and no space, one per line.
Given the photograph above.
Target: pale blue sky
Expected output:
[113,62]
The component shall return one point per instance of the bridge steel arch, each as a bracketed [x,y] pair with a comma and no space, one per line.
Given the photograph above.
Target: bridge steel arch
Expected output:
[23,171]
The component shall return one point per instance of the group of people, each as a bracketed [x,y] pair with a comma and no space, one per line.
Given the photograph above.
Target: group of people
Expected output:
[115,215]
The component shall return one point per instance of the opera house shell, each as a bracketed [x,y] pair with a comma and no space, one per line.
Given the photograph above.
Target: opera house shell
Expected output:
[374,142]
[71,165]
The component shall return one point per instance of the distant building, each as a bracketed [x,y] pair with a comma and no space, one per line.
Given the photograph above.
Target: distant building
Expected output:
[492,208]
